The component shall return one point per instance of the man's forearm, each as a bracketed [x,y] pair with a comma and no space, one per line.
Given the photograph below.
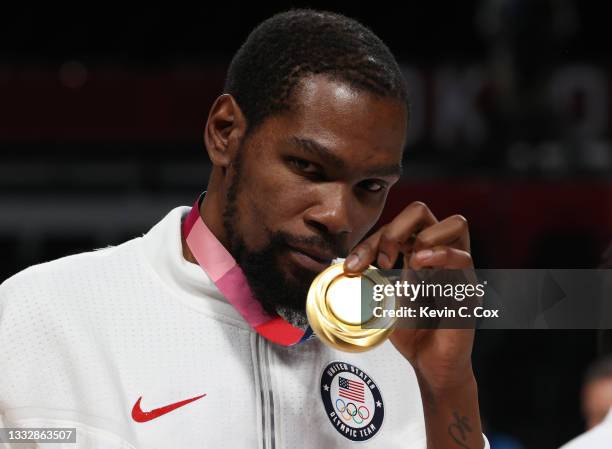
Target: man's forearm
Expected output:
[452,416]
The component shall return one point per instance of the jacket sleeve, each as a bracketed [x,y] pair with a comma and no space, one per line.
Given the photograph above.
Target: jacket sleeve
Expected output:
[18,409]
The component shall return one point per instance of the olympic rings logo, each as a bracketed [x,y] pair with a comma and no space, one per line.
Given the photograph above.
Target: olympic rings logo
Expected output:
[357,414]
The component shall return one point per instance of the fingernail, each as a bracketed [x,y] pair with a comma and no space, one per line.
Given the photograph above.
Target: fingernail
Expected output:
[424,254]
[383,260]
[352,261]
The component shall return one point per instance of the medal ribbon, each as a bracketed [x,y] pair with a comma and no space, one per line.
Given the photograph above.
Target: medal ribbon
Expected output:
[229,278]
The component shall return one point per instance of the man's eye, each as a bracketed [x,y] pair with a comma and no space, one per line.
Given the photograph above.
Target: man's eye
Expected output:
[304,166]
[373,186]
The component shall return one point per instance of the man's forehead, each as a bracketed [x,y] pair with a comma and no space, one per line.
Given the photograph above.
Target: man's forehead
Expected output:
[317,88]
[333,109]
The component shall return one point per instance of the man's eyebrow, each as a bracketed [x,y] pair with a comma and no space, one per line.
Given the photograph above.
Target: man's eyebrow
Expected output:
[387,170]
[326,154]
[317,149]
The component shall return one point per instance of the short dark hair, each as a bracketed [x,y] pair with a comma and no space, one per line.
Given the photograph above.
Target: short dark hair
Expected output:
[600,369]
[290,45]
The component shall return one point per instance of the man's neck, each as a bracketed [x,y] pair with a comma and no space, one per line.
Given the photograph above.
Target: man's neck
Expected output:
[208,213]
[187,254]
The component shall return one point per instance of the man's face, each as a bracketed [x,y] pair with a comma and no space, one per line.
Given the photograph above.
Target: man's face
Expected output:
[596,400]
[309,184]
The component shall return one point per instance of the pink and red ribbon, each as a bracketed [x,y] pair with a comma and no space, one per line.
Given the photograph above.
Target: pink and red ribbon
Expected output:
[222,268]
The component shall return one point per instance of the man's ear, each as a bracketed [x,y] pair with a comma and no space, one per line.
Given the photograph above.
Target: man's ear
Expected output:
[225,127]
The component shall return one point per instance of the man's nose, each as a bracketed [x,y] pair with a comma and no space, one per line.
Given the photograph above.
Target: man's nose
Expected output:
[331,212]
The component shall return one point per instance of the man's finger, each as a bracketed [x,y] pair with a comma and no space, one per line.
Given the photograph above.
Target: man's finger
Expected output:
[440,257]
[398,233]
[452,231]
[363,254]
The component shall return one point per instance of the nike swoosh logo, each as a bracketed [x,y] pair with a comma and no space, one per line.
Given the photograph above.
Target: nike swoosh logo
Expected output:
[139,416]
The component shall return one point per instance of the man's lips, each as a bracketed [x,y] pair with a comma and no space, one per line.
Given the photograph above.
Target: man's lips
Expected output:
[313,259]
[316,253]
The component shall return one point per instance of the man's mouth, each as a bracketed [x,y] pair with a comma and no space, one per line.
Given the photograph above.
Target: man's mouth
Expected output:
[312,259]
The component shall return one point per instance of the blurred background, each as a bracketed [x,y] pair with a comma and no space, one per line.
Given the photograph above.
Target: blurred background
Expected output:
[102,110]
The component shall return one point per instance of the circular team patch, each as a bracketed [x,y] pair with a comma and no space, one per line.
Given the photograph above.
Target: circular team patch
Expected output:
[352,401]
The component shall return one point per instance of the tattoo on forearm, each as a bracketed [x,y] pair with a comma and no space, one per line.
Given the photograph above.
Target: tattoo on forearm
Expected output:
[459,429]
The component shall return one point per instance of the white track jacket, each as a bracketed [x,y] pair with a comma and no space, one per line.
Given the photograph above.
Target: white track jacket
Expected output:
[136,348]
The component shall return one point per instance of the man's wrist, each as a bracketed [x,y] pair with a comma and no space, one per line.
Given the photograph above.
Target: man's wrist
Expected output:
[452,416]
[456,384]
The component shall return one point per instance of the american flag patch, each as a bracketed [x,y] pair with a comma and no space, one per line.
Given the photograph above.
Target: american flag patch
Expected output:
[351,389]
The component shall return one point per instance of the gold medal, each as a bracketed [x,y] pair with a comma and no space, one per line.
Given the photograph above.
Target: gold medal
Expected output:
[340,318]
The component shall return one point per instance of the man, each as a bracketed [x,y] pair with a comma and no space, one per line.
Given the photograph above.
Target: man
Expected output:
[596,407]
[194,335]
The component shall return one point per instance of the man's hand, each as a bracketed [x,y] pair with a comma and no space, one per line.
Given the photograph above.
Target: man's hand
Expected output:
[441,358]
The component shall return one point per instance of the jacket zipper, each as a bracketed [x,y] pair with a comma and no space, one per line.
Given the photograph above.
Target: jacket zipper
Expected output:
[266,396]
